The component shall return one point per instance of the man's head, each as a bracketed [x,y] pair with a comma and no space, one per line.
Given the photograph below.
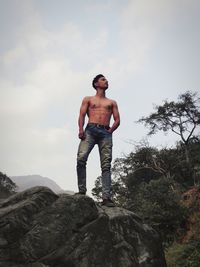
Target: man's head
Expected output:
[100,82]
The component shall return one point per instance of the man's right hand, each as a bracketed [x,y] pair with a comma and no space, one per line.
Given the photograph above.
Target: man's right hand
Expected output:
[81,135]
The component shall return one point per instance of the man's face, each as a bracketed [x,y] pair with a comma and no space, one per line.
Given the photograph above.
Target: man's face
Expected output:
[102,83]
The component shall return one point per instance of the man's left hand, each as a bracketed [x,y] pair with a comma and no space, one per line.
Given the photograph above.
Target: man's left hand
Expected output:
[110,131]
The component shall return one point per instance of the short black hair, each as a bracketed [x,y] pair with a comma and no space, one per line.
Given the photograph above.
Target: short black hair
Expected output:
[96,79]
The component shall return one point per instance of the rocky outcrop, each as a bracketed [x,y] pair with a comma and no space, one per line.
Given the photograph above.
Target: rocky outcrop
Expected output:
[41,229]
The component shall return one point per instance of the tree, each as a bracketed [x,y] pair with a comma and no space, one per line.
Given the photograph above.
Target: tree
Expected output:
[181,117]
[118,189]
[159,206]
[150,182]
[7,186]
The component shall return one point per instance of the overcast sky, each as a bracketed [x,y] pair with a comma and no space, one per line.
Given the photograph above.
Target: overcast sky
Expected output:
[51,50]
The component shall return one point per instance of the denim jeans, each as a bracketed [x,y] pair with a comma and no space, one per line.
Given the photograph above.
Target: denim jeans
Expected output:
[101,137]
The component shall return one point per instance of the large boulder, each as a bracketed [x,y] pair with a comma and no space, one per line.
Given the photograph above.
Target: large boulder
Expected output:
[41,229]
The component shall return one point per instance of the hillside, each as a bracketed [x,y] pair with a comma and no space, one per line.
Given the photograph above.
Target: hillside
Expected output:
[186,251]
[28,181]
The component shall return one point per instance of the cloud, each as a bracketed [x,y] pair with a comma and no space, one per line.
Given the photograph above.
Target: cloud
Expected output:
[40,75]
[37,151]
[45,71]
[140,23]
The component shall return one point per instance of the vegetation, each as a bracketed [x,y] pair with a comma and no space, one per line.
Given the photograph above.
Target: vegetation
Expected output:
[181,117]
[152,182]
[184,255]
[7,186]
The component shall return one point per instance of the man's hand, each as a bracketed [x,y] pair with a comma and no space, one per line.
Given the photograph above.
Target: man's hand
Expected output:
[81,134]
[110,131]
[81,119]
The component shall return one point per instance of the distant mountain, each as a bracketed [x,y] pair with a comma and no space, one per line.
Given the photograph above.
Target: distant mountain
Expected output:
[27,181]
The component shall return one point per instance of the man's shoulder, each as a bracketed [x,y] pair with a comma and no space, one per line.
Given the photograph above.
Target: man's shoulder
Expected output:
[87,98]
[114,102]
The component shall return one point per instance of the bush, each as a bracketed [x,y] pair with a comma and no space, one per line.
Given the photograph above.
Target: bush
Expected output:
[159,206]
[7,186]
[184,255]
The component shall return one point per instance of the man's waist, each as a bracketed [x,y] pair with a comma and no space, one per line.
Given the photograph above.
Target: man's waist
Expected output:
[107,127]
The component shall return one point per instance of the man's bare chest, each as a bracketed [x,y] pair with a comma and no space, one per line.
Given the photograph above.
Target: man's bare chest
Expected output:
[104,105]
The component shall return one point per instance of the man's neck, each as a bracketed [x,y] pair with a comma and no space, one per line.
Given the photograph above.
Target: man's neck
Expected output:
[101,93]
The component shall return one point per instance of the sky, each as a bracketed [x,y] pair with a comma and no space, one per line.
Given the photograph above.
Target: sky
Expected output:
[50,51]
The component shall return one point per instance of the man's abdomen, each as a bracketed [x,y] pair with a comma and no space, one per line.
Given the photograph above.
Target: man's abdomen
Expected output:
[100,117]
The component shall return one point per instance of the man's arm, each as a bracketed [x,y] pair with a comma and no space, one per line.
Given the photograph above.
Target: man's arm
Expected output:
[116,117]
[81,119]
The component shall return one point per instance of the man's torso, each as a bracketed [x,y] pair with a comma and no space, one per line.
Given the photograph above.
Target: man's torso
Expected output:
[99,110]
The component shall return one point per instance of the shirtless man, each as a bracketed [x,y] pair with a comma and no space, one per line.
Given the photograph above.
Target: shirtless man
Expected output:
[99,110]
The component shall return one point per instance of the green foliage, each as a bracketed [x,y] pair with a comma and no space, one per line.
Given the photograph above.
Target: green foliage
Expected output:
[171,254]
[181,117]
[97,190]
[118,188]
[158,204]
[150,181]
[184,255]
[7,186]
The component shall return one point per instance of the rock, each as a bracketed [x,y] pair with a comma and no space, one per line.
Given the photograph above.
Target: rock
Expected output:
[35,264]
[41,229]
